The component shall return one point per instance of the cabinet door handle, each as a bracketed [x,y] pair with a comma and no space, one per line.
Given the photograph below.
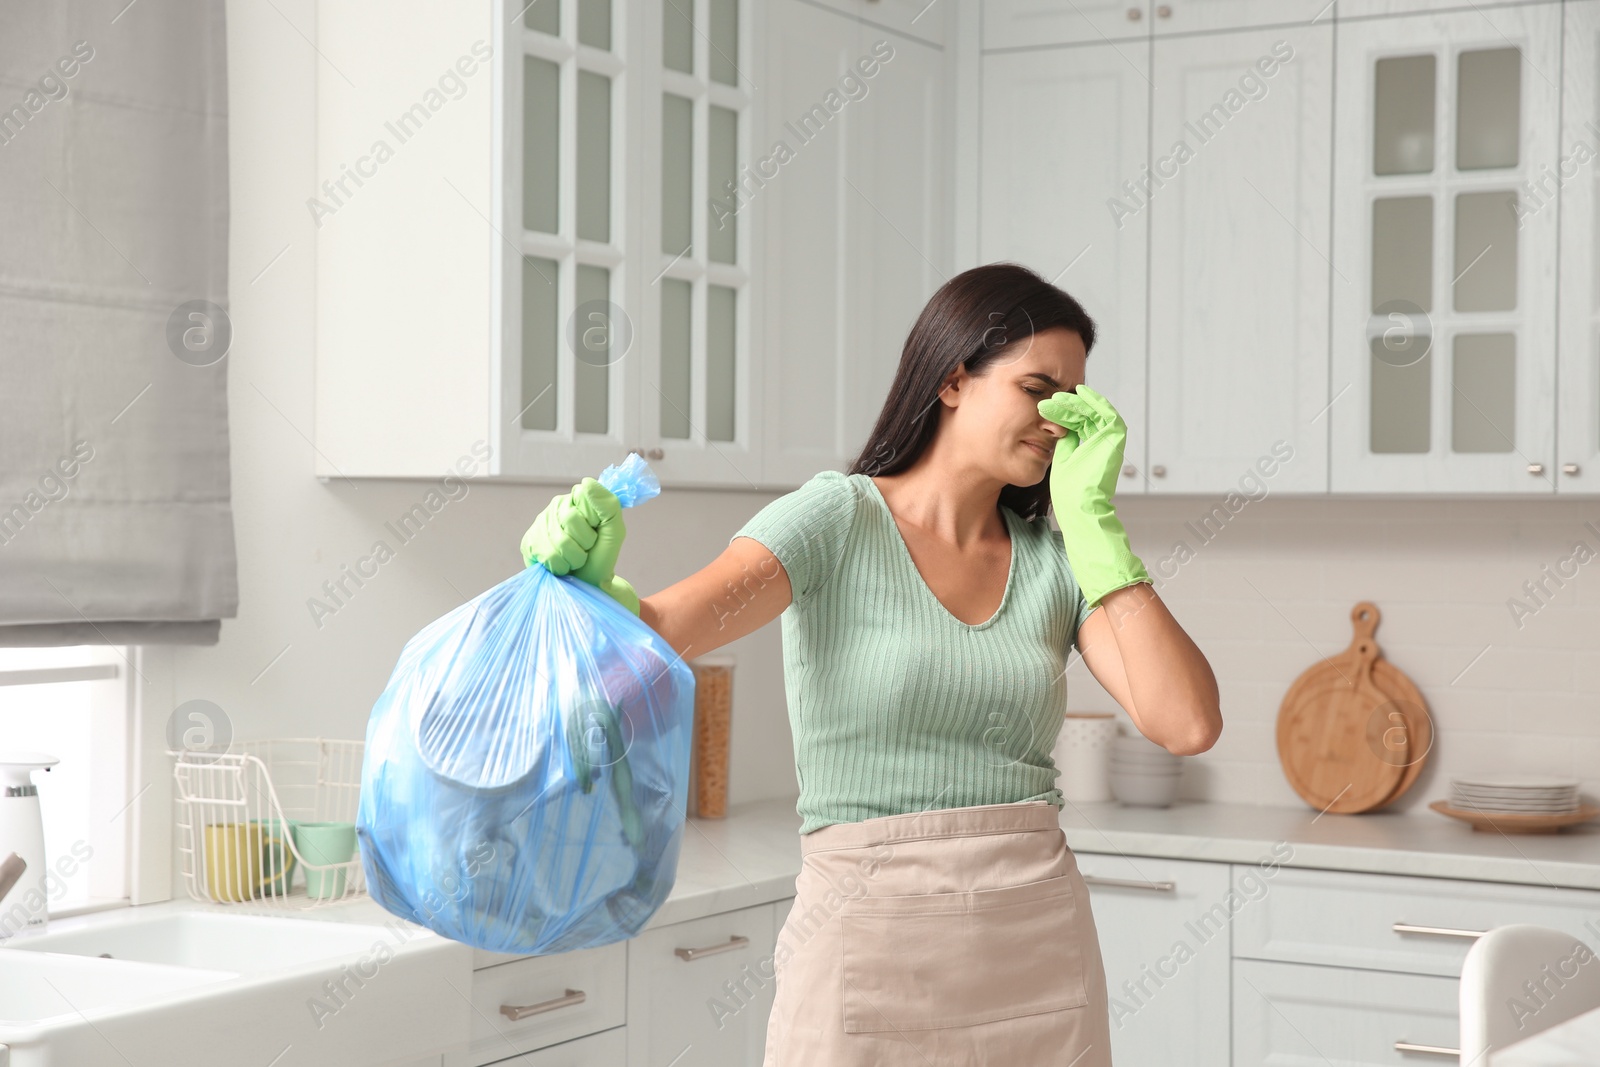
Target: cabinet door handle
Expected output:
[1437,1050]
[1164,11]
[692,954]
[1129,470]
[1158,471]
[1536,468]
[1135,14]
[1125,883]
[1436,931]
[1569,468]
[516,1012]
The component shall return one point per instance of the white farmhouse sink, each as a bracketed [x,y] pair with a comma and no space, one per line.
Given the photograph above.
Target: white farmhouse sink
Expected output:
[196,986]
[244,944]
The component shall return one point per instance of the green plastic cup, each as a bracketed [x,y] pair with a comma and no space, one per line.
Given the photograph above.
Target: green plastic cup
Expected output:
[324,843]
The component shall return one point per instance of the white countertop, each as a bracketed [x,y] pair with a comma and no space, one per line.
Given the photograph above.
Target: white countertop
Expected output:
[753,856]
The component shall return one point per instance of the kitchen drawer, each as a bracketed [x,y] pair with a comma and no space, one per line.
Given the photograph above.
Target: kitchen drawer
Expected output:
[1292,1013]
[600,974]
[609,1049]
[1346,919]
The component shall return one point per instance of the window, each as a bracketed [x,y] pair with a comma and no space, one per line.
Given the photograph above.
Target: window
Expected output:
[72,703]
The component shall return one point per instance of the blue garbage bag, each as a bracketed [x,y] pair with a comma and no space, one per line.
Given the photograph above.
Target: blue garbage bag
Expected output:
[526,769]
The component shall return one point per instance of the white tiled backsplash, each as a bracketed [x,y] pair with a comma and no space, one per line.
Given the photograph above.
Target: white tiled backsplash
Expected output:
[1267,592]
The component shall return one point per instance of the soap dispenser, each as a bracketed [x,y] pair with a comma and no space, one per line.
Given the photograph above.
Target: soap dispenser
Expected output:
[24,905]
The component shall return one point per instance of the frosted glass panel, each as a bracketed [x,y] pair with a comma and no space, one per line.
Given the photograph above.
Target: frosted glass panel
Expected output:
[1402,122]
[677,172]
[1402,252]
[1486,251]
[541,100]
[594,23]
[591,339]
[721,302]
[677,35]
[1483,408]
[544,16]
[594,156]
[721,222]
[1399,404]
[1488,108]
[675,302]
[724,41]
[538,343]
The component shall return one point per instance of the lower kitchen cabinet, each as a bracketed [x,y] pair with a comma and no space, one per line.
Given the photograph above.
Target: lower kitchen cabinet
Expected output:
[533,1002]
[700,991]
[607,1049]
[1166,952]
[1295,1013]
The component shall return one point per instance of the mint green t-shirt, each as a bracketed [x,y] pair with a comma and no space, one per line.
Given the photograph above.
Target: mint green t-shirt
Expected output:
[895,704]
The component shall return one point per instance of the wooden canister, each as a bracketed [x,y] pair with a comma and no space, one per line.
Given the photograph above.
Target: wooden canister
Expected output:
[713,726]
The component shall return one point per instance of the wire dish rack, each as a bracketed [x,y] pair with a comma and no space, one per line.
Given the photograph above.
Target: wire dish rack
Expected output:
[267,822]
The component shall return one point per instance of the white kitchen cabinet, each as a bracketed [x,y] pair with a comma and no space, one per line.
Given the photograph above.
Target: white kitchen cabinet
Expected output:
[1287,1013]
[608,1049]
[1444,298]
[1190,16]
[1034,23]
[1349,9]
[1572,186]
[545,265]
[1166,957]
[857,230]
[910,18]
[1396,922]
[1239,233]
[1050,203]
[531,1002]
[701,991]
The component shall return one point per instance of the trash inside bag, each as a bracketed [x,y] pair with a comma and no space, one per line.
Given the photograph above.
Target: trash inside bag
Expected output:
[526,768]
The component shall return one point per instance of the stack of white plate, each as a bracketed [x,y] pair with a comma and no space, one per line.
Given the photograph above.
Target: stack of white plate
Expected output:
[1514,794]
[1143,773]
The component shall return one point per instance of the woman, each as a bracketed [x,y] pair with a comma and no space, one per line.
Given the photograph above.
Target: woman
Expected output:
[928,612]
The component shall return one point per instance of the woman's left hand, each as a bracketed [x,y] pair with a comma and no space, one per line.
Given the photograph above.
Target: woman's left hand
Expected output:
[1083,479]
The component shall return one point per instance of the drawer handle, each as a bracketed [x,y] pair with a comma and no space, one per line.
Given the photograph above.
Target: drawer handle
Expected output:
[1124,883]
[692,954]
[516,1013]
[1437,931]
[1437,1050]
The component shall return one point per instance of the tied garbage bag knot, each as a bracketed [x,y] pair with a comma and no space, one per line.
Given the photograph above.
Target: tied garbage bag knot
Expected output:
[526,767]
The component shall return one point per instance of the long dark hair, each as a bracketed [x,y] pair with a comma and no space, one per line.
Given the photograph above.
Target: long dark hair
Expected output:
[972,320]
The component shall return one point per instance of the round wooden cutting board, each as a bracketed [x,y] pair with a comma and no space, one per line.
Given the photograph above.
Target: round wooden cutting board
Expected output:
[1353,731]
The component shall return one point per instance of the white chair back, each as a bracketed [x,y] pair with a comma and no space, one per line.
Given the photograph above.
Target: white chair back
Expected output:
[1518,980]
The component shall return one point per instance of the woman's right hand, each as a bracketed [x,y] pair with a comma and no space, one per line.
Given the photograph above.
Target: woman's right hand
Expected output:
[581,533]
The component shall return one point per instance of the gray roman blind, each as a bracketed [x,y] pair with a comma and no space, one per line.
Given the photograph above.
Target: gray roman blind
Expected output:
[115,521]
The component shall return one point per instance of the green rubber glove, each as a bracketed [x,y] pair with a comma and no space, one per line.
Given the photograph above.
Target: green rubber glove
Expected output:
[580,533]
[1083,478]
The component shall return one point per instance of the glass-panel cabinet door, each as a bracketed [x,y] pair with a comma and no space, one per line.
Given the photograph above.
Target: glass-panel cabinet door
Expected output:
[697,424]
[1444,297]
[1575,183]
[568,294]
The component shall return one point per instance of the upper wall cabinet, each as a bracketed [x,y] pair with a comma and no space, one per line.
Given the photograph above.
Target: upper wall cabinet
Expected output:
[1237,198]
[1573,180]
[1444,298]
[1050,204]
[1357,8]
[1189,16]
[856,207]
[1036,23]
[547,265]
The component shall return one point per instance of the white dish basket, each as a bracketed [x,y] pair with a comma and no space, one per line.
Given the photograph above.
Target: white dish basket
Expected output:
[274,783]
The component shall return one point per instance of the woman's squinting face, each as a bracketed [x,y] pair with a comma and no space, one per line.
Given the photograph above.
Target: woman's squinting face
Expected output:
[998,414]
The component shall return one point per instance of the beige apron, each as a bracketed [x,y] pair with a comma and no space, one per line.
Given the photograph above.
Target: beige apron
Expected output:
[945,938]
